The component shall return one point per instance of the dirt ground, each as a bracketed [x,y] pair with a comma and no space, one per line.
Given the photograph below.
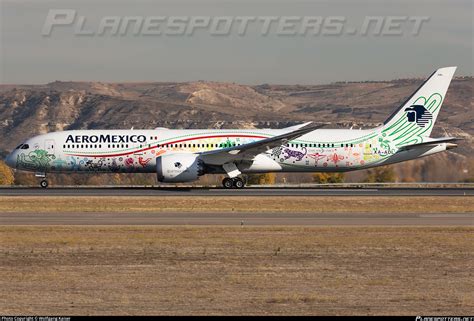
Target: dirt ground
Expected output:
[236,270]
[313,204]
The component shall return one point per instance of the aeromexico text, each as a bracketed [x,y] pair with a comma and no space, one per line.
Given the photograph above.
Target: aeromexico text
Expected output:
[78,139]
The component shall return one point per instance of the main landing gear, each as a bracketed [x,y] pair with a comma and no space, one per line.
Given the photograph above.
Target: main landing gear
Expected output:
[44,183]
[235,182]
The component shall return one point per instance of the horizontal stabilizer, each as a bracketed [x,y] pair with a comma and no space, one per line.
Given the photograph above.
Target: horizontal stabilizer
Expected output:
[433,141]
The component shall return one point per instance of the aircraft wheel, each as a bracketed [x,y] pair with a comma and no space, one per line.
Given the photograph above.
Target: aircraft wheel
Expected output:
[227,182]
[238,182]
[44,183]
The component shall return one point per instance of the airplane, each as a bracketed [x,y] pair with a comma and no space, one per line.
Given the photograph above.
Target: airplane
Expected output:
[179,156]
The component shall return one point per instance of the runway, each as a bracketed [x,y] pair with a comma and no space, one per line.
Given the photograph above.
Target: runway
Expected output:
[248,191]
[238,219]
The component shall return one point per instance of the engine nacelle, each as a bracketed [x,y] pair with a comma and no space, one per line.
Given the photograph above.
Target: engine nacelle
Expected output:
[178,168]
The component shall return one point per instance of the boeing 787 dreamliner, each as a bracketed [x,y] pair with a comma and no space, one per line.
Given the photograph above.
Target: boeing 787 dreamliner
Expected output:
[185,155]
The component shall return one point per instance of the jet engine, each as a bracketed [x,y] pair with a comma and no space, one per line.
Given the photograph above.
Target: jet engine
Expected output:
[179,168]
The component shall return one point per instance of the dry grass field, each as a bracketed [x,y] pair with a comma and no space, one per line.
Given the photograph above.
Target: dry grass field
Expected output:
[313,204]
[236,270]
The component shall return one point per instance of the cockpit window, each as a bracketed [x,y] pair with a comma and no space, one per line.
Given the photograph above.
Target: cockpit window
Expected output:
[18,147]
[25,146]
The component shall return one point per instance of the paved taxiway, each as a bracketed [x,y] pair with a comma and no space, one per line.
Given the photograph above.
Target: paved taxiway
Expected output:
[236,219]
[249,191]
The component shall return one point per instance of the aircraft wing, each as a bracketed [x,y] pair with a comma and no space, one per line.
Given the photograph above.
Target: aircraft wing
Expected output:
[250,150]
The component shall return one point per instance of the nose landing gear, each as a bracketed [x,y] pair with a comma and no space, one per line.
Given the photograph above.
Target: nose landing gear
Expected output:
[235,182]
[43,182]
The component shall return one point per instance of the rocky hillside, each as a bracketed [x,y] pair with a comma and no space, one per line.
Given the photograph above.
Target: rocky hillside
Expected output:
[28,110]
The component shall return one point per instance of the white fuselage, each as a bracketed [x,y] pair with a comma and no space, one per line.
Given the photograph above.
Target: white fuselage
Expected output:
[135,151]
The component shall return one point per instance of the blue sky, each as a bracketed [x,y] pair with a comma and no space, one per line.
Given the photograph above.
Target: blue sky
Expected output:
[27,57]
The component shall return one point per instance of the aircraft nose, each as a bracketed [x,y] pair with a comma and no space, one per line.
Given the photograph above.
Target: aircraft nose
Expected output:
[11,160]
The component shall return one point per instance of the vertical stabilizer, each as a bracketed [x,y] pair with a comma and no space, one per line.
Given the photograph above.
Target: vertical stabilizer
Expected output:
[414,120]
